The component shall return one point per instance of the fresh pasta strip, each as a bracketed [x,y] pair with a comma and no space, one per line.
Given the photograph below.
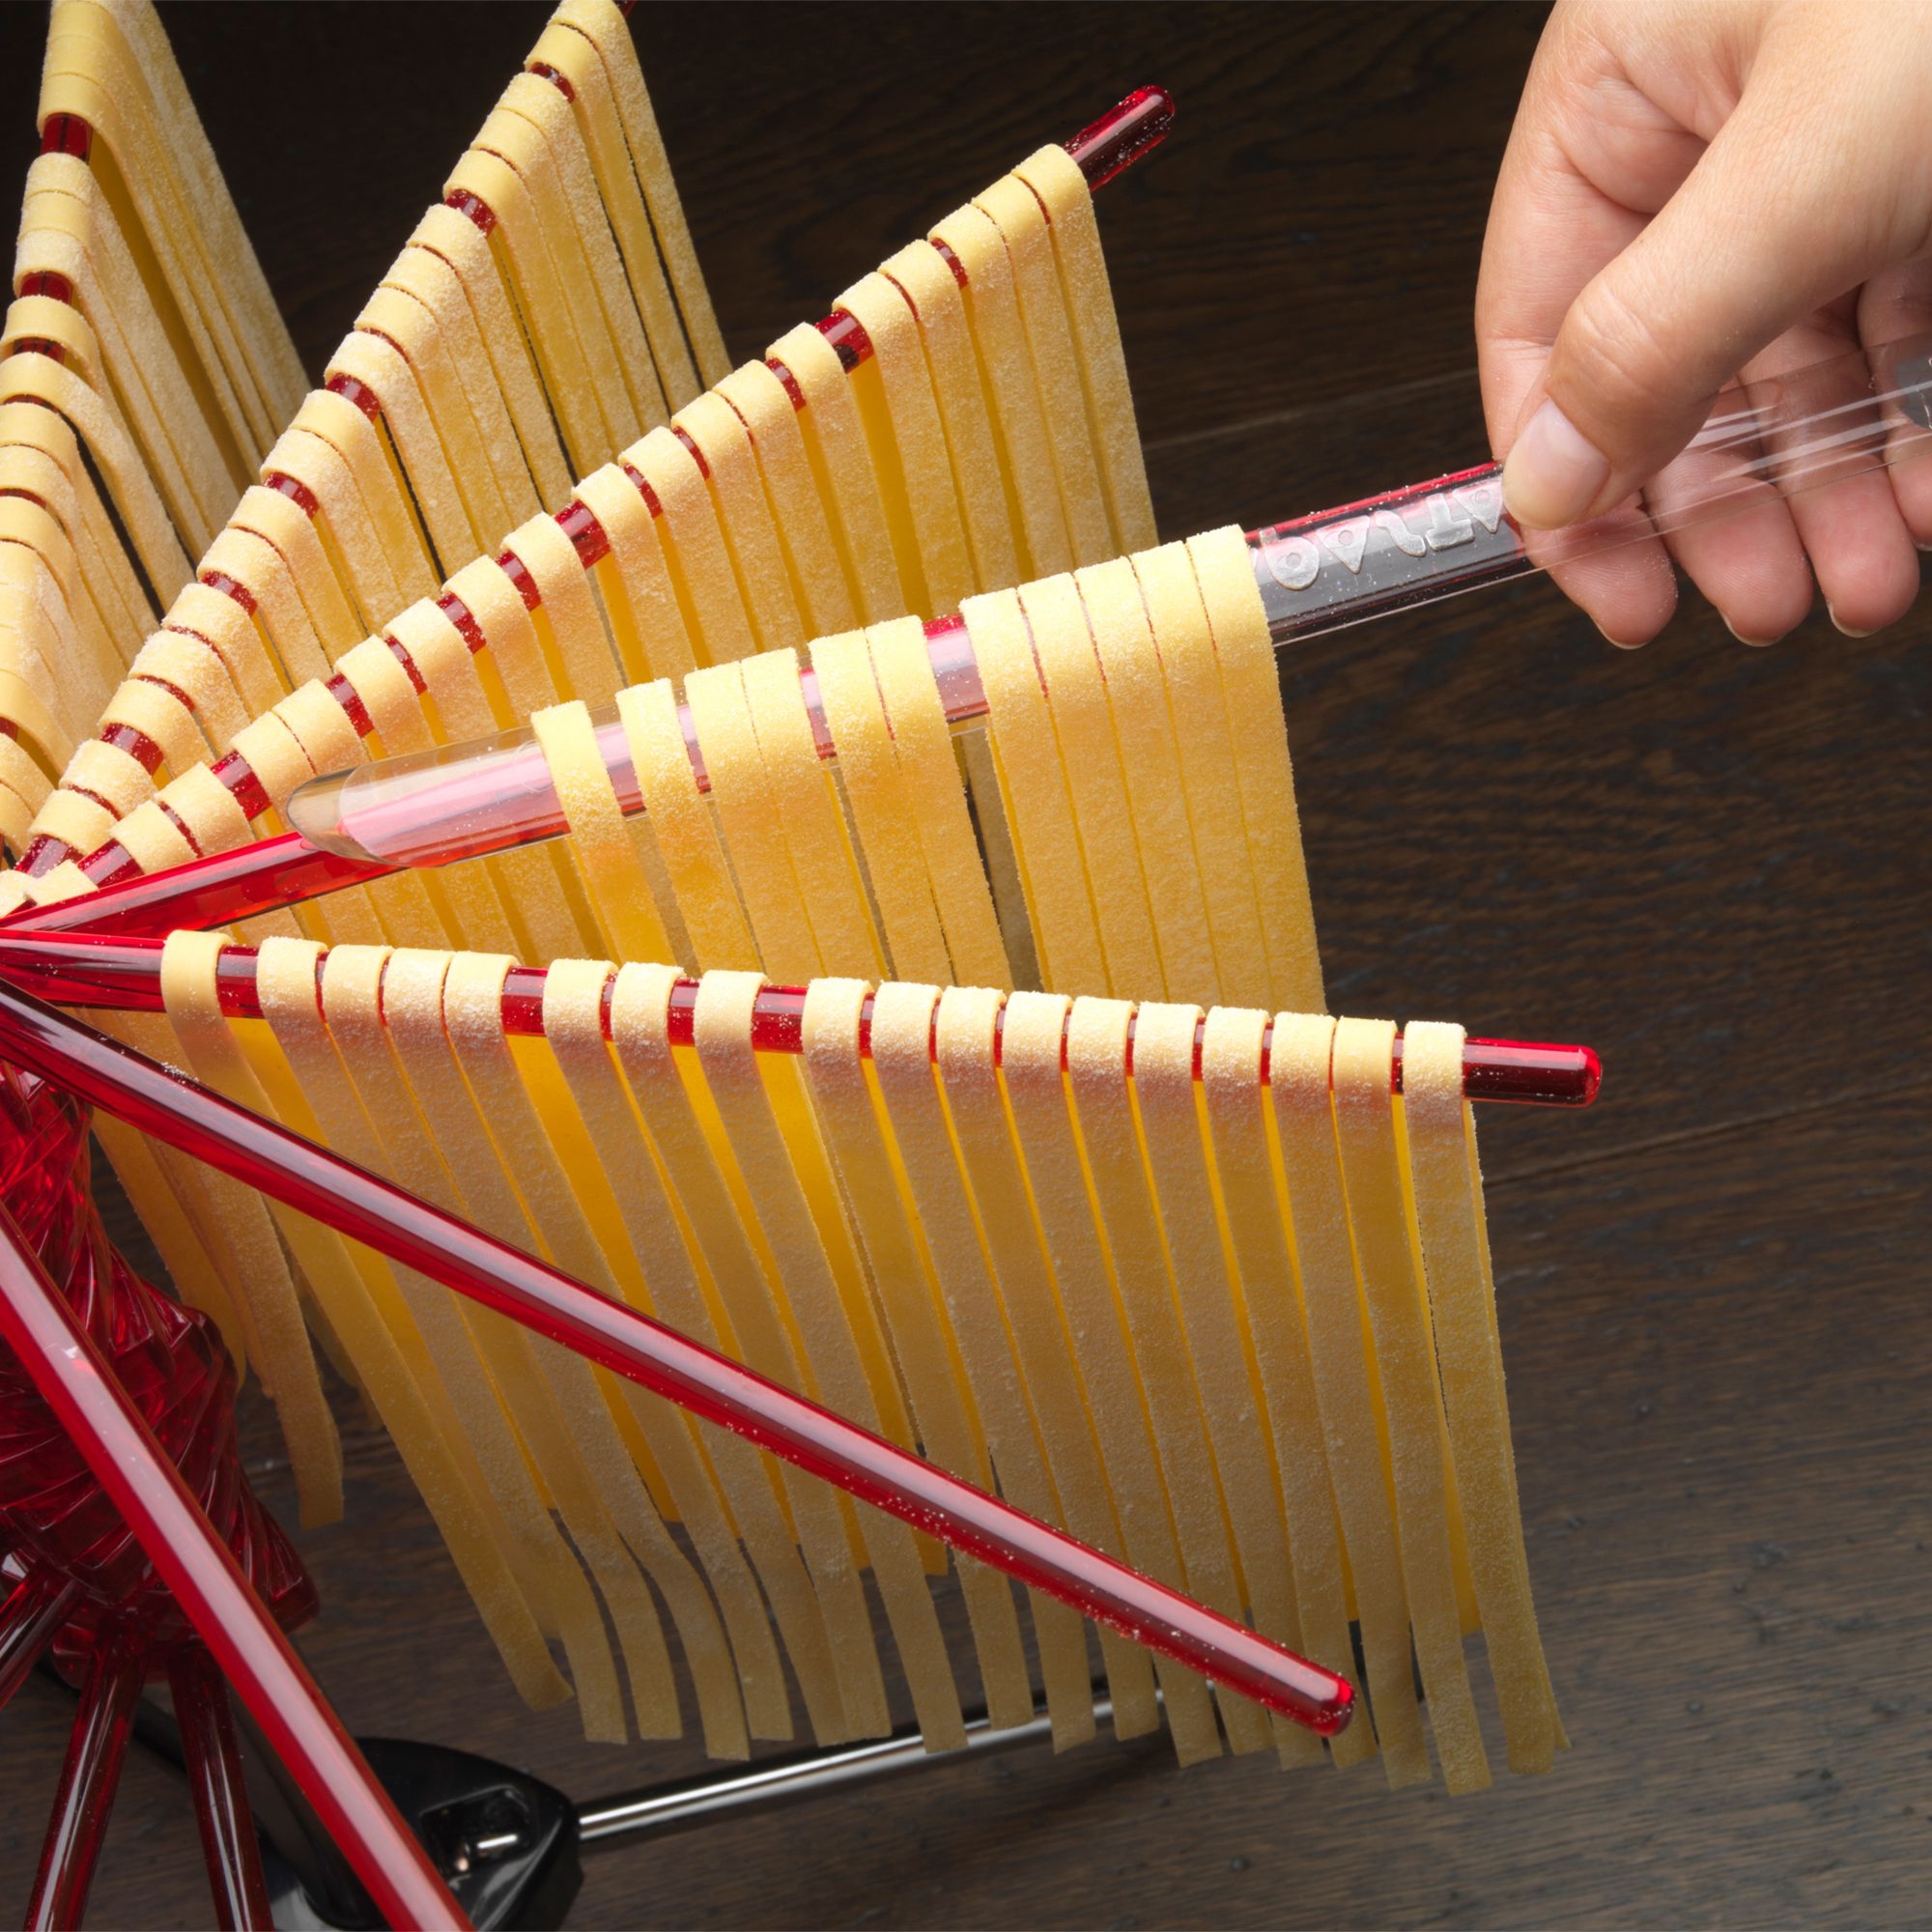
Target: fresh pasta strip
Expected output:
[964,1045]
[1276,1331]
[603,26]
[1412,1399]
[923,742]
[736,1314]
[414,328]
[1096,1064]
[848,481]
[647,622]
[1197,706]
[278,1342]
[901,1275]
[658,1276]
[894,390]
[903,1019]
[1083,725]
[882,807]
[1446,1183]
[920,276]
[1014,416]
[362,447]
[799,511]
[1258,737]
[700,564]
[366,1310]
[1338,1329]
[1224,1371]
[1045,838]
[680,821]
[599,836]
[1016,212]
[745,517]
[566,620]
[1031,1041]
[472,1180]
[830,1349]
[1068,202]
[748,814]
[1136,695]
[808,808]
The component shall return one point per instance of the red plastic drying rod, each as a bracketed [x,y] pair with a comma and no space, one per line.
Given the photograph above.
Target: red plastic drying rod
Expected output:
[95,970]
[1102,149]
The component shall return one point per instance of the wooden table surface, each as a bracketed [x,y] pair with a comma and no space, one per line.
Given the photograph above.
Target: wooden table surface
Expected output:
[1708,862]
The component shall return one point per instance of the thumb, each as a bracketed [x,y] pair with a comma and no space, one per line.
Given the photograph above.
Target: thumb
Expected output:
[1776,219]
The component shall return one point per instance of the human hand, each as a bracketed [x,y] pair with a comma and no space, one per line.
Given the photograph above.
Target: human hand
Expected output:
[1693,191]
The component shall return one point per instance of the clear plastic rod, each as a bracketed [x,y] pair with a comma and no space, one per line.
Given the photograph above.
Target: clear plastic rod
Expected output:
[1835,419]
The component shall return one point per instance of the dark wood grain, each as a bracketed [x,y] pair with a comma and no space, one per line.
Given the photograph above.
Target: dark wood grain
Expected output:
[1708,862]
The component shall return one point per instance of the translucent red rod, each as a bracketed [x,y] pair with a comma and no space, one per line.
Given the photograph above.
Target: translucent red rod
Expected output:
[90,970]
[711,1386]
[1120,138]
[211,1756]
[254,1655]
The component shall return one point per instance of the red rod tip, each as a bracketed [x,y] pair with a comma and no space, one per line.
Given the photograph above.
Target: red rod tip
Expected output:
[1122,134]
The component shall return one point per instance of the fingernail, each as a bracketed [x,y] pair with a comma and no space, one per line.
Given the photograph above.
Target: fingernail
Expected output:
[1845,630]
[1555,471]
[1621,645]
[1757,644]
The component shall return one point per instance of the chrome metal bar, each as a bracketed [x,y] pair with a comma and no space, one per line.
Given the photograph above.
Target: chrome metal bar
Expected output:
[789,1780]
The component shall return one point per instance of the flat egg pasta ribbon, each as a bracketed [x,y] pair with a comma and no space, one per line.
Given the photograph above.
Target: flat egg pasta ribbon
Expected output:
[909,1300]
[773,1342]
[1015,210]
[725,450]
[902,1022]
[808,812]
[1224,1371]
[1045,839]
[411,1013]
[613,1518]
[1245,1168]
[1097,1065]
[1198,707]
[368,1310]
[683,825]
[964,1043]
[1136,694]
[599,839]
[1055,177]
[566,618]
[718,626]
[1413,1403]
[1031,1044]
[1301,1051]
[876,790]
[894,390]
[1096,786]
[658,1277]
[1224,569]
[848,480]
[1450,1224]
[919,274]
[923,742]
[799,507]
[648,624]
[831,1347]
[706,1309]
[278,1342]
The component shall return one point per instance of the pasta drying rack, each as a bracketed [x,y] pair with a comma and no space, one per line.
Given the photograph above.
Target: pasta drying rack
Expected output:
[148,1555]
